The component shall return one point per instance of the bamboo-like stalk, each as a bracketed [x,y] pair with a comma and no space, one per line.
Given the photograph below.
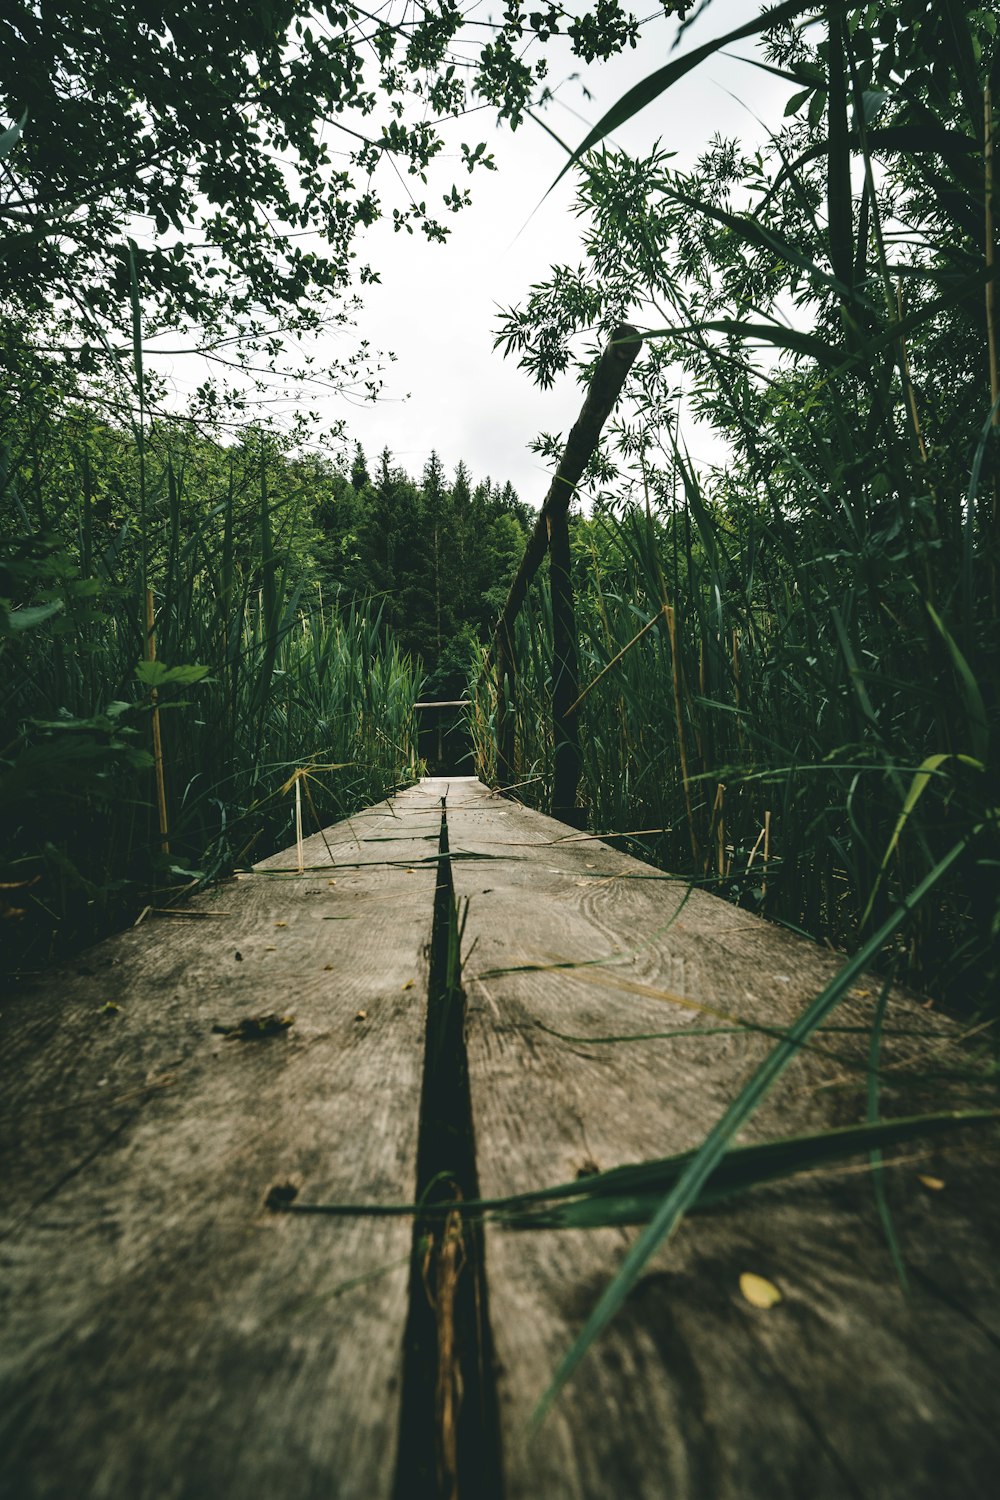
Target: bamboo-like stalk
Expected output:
[161,790]
[661,612]
[991,322]
[904,365]
[991,317]
[753,852]
[719,825]
[679,718]
[504,668]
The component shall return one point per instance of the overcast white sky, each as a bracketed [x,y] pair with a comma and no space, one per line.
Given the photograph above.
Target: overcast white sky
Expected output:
[436,307]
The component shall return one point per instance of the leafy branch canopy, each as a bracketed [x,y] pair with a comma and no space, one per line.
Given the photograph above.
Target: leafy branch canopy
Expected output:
[243,147]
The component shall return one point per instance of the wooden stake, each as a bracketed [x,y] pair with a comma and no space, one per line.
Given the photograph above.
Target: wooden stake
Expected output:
[161,791]
[719,814]
[753,852]
[298,824]
[565,672]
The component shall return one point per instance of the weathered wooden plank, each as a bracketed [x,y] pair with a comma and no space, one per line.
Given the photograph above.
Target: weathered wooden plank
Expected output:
[844,1388]
[161,1333]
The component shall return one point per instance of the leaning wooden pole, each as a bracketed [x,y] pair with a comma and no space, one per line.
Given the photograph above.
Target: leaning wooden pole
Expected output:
[602,393]
[565,672]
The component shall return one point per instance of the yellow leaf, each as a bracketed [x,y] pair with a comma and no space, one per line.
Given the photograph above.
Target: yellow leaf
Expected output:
[281,924]
[409,984]
[361,1015]
[934,1183]
[758,1291]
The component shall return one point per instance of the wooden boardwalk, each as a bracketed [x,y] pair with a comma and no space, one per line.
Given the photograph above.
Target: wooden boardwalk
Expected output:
[165,1333]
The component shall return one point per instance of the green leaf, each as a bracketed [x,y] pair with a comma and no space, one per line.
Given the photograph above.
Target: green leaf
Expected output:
[797,100]
[749,229]
[878,1175]
[156,674]
[921,780]
[632,1194]
[100,723]
[872,102]
[657,83]
[975,708]
[13,621]
[919,139]
[10,138]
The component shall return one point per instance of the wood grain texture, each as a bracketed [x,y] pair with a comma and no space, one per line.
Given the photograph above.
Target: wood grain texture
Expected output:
[845,1388]
[161,1333]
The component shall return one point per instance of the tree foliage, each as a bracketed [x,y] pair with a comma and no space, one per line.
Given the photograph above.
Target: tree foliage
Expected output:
[242,148]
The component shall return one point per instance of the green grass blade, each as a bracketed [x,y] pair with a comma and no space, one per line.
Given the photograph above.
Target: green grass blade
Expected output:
[657,83]
[878,1175]
[977,721]
[10,137]
[632,1194]
[838,177]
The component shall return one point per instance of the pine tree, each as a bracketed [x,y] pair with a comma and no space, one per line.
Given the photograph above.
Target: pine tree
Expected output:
[359,468]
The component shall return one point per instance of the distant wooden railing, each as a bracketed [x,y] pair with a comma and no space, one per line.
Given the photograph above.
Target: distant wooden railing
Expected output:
[441,703]
[551,534]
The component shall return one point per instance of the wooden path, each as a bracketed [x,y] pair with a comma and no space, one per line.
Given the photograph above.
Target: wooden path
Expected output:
[166,1331]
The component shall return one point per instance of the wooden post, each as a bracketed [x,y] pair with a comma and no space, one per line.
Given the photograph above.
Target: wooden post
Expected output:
[504,661]
[161,791]
[565,673]
[602,393]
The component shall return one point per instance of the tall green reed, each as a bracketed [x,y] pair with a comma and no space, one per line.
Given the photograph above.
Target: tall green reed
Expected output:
[807,720]
[812,719]
[256,677]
